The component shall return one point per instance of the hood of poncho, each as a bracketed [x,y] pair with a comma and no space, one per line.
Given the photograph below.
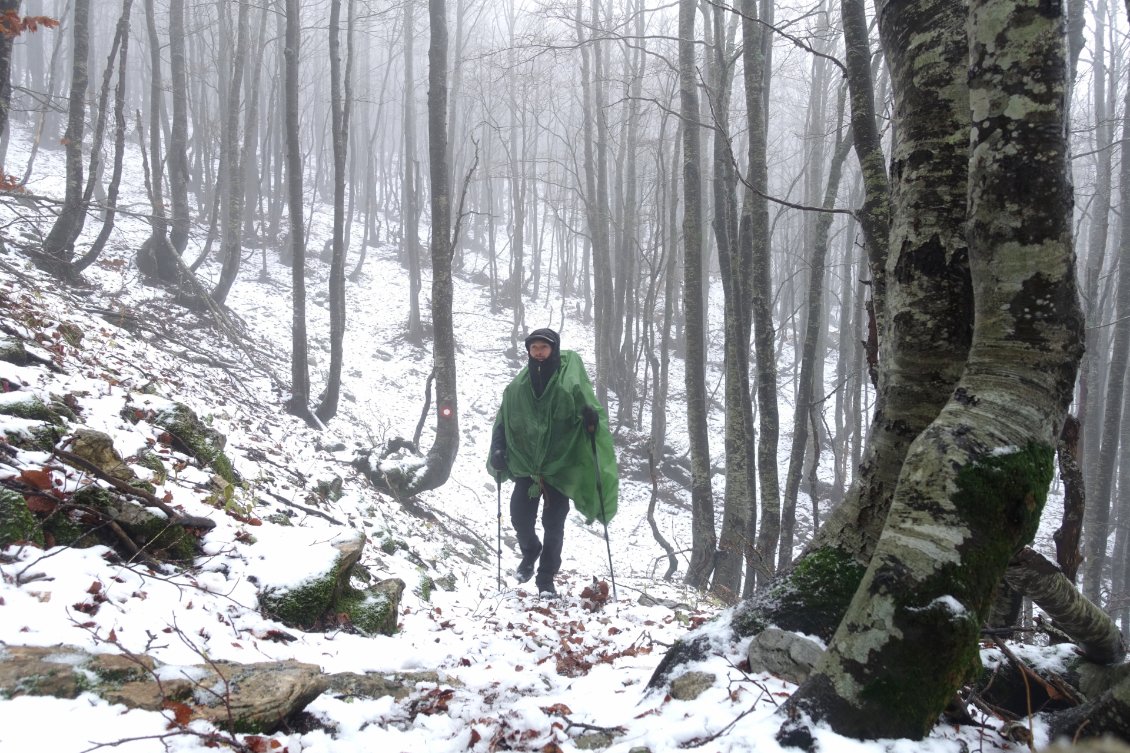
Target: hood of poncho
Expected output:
[545,438]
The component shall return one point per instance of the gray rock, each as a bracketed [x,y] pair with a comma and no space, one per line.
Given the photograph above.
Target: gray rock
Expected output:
[787,655]
[593,740]
[690,685]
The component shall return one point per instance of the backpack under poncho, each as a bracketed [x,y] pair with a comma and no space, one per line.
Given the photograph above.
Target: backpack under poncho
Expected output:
[546,439]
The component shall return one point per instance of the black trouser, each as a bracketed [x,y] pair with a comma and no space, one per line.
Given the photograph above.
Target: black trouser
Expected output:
[523,513]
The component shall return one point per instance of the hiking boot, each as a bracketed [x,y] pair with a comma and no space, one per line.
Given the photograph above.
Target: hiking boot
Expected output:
[524,572]
[546,589]
[525,569]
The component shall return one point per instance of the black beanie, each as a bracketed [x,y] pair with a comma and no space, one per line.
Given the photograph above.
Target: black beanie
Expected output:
[545,334]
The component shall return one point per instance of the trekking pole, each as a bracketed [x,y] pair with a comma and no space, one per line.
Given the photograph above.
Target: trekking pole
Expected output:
[603,518]
[498,485]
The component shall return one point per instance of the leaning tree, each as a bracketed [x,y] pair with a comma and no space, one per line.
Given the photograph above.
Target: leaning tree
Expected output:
[980,338]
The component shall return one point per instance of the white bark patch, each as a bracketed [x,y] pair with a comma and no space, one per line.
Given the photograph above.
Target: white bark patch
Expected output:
[858,644]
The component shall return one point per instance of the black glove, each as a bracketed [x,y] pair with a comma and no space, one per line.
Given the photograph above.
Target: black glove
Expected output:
[590,418]
[498,460]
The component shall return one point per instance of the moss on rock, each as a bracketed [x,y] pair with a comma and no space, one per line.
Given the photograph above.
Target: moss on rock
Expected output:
[303,605]
[32,407]
[375,610]
[811,598]
[17,523]
[202,442]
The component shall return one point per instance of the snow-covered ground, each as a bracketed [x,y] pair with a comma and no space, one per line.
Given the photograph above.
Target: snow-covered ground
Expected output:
[523,674]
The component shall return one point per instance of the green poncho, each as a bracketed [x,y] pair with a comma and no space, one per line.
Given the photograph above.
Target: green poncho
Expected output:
[546,440]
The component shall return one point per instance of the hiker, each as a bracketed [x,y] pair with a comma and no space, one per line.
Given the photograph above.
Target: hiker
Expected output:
[551,437]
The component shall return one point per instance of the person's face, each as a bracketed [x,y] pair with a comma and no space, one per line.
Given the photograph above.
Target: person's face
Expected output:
[540,350]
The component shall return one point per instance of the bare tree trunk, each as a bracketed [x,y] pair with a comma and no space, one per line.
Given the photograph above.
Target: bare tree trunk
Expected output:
[60,241]
[1096,522]
[755,236]
[702,502]
[806,395]
[178,135]
[339,107]
[409,192]
[119,143]
[446,446]
[156,257]
[231,182]
[6,42]
[299,366]
[735,542]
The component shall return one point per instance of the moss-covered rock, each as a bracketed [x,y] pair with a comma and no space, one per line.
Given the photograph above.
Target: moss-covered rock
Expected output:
[193,436]
[13,351]
[155,534]
[305,605]
[152,461]
[71,333]
[31,406]
[811,598]
[375,610]
[40,436]
[17,523]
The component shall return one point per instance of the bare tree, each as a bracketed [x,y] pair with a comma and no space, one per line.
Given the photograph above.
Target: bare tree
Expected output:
[702,503]
[340,95]
[60,241]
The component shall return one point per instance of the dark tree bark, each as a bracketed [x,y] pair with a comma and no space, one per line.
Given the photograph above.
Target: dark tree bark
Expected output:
[112,189]
[7,8]
[340,95]
[442,454]
[409,190]
[231,172]
[60,241]
[735,541]
[1096,521]
[299,364]
[754,239]
[178,133]
[702,502]
[156,258]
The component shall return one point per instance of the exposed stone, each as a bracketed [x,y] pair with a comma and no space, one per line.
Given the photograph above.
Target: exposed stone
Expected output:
[240,697]
[690,685]
[97,448]
[42,670]
[593,740]
[785,654]
[256,697]
[376,685]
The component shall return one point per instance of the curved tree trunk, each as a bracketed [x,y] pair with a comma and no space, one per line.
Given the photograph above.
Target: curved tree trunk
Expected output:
[119,145]
[973,484]
[60,241]
[339,107]
[442,454]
